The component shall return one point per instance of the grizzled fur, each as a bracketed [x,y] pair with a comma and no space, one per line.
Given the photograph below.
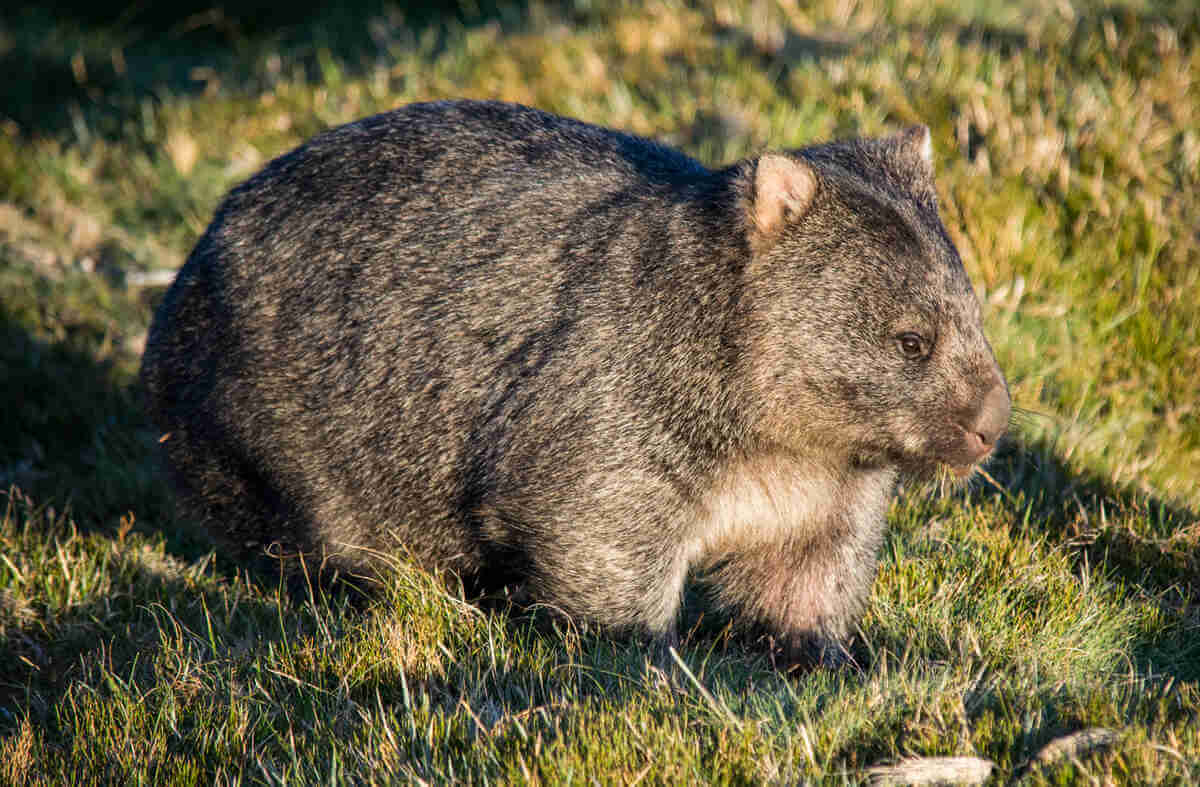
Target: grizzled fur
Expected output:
[533,351]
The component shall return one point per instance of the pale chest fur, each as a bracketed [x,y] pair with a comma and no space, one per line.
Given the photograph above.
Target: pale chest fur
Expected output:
[781,498]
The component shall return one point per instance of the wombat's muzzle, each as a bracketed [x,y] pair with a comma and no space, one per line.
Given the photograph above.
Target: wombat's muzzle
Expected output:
[989,423]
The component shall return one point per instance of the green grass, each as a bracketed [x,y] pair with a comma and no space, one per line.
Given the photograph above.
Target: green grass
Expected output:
[1060,593]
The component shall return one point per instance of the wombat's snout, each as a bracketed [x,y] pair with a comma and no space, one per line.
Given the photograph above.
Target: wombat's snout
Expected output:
[990,422]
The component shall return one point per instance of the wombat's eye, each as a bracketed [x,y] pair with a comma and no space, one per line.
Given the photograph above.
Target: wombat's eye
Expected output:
[912,345]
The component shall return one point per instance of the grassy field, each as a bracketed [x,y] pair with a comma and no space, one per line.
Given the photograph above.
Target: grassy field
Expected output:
[1057,595]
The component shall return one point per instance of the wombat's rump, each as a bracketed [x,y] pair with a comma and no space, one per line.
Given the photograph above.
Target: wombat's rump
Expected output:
[530,350]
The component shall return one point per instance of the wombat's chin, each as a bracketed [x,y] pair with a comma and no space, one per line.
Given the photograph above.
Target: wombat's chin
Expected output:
[912,465]
[961,472]
[937,465]
[922,469]
[956,476]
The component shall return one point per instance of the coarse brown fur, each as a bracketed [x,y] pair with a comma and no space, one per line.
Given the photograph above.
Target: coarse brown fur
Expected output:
[532,351]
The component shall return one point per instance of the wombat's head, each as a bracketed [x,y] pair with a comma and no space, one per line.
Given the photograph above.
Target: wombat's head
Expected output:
[868,335]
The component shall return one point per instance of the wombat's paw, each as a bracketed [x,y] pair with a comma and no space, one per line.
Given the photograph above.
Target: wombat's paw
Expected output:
[660,668]
[661,656]
[805,652]
[835,654]
[514,599]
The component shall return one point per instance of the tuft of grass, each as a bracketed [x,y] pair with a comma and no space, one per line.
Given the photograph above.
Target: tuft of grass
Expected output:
[1054,595]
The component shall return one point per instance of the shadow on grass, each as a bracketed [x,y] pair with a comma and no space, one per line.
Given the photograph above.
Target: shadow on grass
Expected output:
[142,651]
[1074,507]
[72,433]
[43,646]
[1149,544]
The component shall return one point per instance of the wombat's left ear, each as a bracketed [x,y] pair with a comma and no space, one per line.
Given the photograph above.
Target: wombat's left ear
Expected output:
[784,187]
[914,149]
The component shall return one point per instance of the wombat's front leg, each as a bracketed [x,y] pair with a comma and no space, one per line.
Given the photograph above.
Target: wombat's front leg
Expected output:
[630,590]
[804,593]
[791,549]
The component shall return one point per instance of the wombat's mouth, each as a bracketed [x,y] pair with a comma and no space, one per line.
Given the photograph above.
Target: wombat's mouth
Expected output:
[930,465]
[926,466]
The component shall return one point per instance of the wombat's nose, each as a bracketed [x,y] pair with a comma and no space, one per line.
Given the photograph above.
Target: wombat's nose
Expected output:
[991,421]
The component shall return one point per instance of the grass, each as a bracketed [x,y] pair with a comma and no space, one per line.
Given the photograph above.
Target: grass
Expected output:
[1057,595]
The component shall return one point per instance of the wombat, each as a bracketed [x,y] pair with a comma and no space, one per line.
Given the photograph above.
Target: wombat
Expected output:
[542,354]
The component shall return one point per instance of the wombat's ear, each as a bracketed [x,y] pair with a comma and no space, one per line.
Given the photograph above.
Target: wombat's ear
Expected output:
[783,187]
[914,150]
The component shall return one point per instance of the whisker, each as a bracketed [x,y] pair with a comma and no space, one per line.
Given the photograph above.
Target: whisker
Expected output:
[1023,420]
[1027,415]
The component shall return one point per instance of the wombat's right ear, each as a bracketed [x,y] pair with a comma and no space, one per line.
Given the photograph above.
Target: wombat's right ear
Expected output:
[784,188]
[913,148]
